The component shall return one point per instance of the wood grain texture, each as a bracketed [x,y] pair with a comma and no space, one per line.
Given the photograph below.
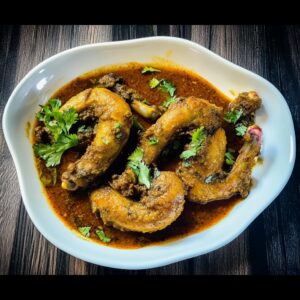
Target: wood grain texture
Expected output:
[271,245]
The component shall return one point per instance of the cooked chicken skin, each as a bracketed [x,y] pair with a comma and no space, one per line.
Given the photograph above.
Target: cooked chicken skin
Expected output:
[208,162]
[239,179]
[249,102]
[115,120]
[187,113]
[160,207]
[116,84]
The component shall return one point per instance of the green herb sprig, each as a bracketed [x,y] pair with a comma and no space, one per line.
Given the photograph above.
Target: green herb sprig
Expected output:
[198,138]
[102,236]
[59,124]
[229,157]
[146,70]
[233,117]
[141,170]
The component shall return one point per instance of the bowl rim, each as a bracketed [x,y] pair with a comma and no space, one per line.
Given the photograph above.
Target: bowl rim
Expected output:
[179,256]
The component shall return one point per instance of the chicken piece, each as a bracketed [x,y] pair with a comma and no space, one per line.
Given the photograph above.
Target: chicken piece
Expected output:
[187,113]
[208,162]
[116,84]
[115,120]
[215,154]
[126,183]
[161,206]
[145,110]
[239,179]
[249,102]
[85,137]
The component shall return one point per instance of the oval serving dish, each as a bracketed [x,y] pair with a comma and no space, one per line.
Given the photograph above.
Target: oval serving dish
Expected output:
[269,178]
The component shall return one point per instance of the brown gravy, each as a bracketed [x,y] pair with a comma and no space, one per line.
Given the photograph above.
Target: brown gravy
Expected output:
[74,207]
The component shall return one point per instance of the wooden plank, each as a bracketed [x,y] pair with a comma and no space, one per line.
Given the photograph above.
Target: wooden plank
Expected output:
[180,268]
[30,244]
[290,204]
[284,42]
[125,32]
[231,259]
[32,254]
[9,187]
[271,245]
[88,34]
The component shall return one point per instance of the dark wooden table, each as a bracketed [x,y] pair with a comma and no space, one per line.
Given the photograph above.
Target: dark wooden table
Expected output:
[271,245]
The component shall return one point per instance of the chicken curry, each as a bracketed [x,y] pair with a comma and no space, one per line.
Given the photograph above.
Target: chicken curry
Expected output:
[134,155]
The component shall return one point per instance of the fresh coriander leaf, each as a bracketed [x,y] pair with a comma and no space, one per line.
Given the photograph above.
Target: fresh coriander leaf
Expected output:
[54,128]
[136,124]
[229,157]
[69,117]
[135,159]
[149,70]
[48,114]
[85,231]
[52,153]
[71,140]
[57,122]
[154,82]
[47,110]
[138,166]
[168,87]
[82,128]
[118,125]
[210,179]
[240,130]
[144,175]
[135,167]
[153,140]
[169,101]
[136,155]
[48,153]
[198,138]
[188,153]
[233,117]
[102,236]
[55,104]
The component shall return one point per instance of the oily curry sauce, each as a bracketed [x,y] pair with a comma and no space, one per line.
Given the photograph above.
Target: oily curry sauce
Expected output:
[74,207]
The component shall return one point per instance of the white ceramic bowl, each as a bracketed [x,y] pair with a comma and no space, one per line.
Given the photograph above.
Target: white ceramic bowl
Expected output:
[42,81]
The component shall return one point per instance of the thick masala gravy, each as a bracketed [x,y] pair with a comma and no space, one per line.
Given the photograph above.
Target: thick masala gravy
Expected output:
[74,207]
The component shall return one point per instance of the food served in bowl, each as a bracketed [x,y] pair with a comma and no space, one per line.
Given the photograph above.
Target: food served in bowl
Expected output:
[138,154]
